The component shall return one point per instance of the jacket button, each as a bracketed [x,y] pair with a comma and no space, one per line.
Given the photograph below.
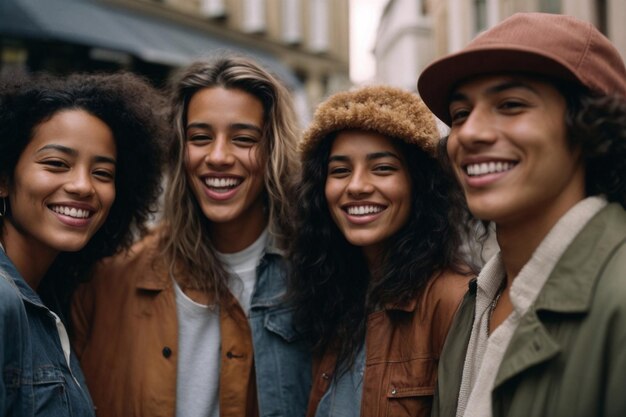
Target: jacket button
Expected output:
[167,352]
[231,355]
[394,391]
[325,376]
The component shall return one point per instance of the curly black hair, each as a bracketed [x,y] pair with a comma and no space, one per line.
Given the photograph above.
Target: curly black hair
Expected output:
[597,124]
[133,110]
[331,286]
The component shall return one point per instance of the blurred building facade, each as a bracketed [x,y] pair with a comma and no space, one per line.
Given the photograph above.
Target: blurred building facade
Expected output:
[413,33]
[305,42]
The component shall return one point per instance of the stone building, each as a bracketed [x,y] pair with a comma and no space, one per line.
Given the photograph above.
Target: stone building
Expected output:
[305,42]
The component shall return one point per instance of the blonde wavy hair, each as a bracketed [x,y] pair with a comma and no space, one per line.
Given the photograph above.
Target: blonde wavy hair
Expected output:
[185,240]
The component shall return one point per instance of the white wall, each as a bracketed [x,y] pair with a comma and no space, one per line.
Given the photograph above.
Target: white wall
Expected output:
[403,45]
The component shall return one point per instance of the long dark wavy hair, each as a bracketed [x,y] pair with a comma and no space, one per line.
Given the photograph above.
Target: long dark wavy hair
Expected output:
[129,106]
[331,286]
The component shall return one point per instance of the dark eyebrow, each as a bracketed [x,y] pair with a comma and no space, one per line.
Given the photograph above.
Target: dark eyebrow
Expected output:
[105,159]
[378,155]
[338,158]
[246,126]
[197,125]
[60,148]
[507,85]
[498,88]
[369,156]
[234,126]
[73,152]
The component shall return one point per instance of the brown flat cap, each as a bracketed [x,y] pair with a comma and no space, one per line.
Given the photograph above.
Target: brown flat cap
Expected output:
[552,45]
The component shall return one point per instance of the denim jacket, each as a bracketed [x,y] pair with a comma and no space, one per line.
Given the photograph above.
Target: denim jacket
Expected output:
[129,352]
[36,379]
[282,357]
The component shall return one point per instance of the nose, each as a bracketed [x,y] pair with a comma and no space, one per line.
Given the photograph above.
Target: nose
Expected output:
[360,184]
[477,129]
[80,183]
[219,153]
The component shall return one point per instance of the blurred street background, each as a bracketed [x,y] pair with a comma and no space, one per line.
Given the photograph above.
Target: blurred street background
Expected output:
[317,47]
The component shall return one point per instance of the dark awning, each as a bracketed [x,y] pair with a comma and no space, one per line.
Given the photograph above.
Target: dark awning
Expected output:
[95,24]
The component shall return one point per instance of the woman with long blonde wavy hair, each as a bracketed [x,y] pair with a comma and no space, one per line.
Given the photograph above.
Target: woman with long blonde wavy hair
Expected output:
[199,325]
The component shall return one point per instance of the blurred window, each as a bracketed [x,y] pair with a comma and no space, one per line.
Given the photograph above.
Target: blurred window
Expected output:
[550,6]
[480,15]
[602,18]
[254,16]
[319,25]
[213,8]
[291,22]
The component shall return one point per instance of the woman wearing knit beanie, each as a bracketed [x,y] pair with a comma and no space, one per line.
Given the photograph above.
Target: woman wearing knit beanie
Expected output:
[376,275]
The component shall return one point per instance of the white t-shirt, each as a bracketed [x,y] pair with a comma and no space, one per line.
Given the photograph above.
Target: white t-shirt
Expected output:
[198,371]
[199,340]
[242,267]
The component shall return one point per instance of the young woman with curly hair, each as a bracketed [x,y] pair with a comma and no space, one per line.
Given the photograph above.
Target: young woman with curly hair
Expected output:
[537,111]
[72,191]
[199,326]
[376,273]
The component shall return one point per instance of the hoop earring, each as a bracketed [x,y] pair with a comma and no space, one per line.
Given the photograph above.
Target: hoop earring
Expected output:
[3,209]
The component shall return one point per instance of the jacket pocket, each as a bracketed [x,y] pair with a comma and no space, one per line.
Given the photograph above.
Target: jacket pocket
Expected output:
[50,392]
[281,356]
[280,322]
[410,401]
[411,388]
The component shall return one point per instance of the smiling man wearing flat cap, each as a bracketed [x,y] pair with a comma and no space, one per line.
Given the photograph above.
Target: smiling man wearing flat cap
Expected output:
[537,111]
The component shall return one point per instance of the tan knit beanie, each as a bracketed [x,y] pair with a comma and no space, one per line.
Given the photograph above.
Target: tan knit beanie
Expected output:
[390,111]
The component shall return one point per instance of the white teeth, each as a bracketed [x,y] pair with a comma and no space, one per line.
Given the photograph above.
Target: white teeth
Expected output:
[488,168]
[71,212]
[363,210]
[221,182]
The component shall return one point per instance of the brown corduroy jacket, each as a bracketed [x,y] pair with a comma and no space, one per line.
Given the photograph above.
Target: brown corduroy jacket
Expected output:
[126,337]
[402,348]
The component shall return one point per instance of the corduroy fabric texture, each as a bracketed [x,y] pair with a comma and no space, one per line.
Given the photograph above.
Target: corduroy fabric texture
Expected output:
[551,45]
[390,111]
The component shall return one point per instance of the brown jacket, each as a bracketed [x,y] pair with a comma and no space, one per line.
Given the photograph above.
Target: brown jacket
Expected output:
[402,348]
[126,337]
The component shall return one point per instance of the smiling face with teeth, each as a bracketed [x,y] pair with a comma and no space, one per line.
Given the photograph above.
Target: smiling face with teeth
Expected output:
[224,134]
[368,189]
[509,149]
[63,186]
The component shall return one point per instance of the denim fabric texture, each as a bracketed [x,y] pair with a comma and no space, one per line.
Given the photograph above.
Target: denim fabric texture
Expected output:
[282,357]
[36,379]
[343,398]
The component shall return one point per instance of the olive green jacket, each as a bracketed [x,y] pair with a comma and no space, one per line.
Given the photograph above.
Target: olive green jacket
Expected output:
[567,358]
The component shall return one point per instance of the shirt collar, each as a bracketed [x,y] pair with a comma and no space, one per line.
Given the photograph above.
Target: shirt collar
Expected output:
[530,281]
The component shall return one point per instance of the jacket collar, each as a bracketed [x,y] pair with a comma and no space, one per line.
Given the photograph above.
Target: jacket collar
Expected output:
[570,286]
[569,290]
[160,280]
[151,258]
[272,246]
[11,274]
